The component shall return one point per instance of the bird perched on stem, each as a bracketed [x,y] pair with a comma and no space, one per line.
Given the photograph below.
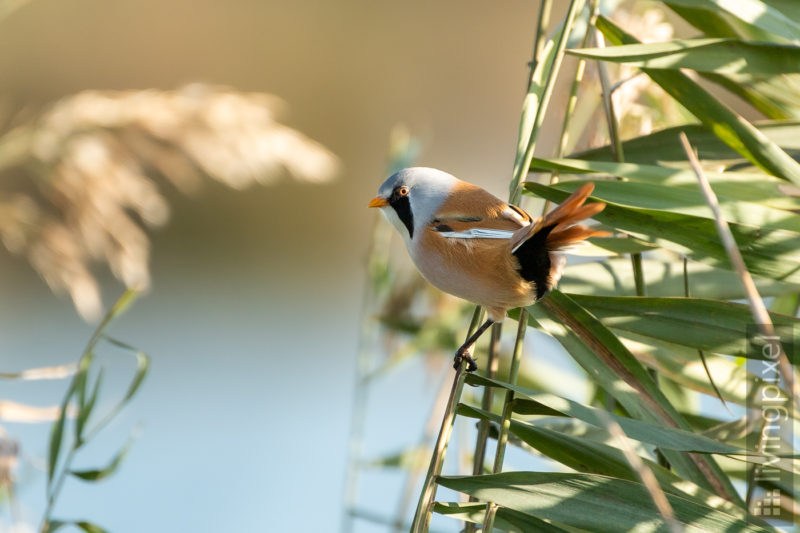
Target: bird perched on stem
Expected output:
[471,244]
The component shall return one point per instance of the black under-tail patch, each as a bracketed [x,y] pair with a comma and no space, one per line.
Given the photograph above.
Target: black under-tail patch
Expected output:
[402,207]
[534,261]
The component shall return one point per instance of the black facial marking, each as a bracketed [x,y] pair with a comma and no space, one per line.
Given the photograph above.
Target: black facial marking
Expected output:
[402,207]
[442,227]
[534,261]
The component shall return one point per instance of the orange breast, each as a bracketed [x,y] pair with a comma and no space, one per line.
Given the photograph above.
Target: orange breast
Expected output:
[482,271]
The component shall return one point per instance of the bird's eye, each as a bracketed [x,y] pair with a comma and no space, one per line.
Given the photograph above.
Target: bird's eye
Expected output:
[403,191]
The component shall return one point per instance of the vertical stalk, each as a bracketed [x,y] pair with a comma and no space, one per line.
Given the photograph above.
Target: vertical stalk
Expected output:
[616,149]
[487,400]
[520,172]
[502,438]
[608,102]
[638,274]
[545,6]
[757,308]
[422,516]
[572,102]
[524,163]
[479,456]
[488,521]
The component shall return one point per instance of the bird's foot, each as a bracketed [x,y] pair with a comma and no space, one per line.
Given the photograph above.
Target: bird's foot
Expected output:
[463,356]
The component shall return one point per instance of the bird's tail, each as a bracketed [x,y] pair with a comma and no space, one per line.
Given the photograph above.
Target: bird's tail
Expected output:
[536,246]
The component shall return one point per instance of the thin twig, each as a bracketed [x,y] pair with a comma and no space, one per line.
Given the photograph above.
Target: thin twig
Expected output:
[608,103]
[646,475]
[702,355]
[757,307]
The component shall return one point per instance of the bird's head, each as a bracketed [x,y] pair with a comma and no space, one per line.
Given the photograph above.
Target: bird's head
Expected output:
[410,198]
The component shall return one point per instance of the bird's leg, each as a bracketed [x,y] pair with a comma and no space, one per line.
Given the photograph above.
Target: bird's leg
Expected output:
[462,354]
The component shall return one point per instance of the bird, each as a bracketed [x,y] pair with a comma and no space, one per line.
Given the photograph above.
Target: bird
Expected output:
[471,244]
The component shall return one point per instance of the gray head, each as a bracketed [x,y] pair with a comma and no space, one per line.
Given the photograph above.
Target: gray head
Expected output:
[411,197]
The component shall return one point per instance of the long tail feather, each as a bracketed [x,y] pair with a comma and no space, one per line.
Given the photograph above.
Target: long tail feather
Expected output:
[571,236]
[563,217]
[536,246]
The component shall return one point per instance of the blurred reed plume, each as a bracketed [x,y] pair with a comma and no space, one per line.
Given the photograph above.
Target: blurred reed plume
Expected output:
[80,179]
[647,107]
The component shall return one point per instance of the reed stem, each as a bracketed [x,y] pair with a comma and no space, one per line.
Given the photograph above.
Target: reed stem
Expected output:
[524,163]
[520,172]
[479,456]
[422,516]
[757,307]
[545,7]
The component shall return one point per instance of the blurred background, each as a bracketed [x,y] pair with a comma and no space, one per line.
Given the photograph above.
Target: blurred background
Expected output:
[223,158]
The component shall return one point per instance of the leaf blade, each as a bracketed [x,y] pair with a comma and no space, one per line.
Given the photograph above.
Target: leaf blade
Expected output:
[711,55]
[726,124]
[591,502]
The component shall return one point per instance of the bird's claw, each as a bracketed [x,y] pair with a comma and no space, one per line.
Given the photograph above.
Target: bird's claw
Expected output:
[464,356]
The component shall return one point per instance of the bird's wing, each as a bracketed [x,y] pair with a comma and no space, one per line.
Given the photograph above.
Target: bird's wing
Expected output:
[477,233]
[473,213]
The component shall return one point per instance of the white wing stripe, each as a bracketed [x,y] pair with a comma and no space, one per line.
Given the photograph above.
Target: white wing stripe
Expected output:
[478,233]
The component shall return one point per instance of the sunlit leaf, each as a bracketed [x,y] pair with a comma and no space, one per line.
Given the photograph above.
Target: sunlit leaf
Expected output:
[724,56]
[748,187]
[710,325]
[613,367]
[592,502]
[584,455]
[768,253]
[777,97]
[757,13]
[529,403]
[683,366]
[663,146]
[690,201]
[726,124]
[613,277]
[786,303]
[506,519]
